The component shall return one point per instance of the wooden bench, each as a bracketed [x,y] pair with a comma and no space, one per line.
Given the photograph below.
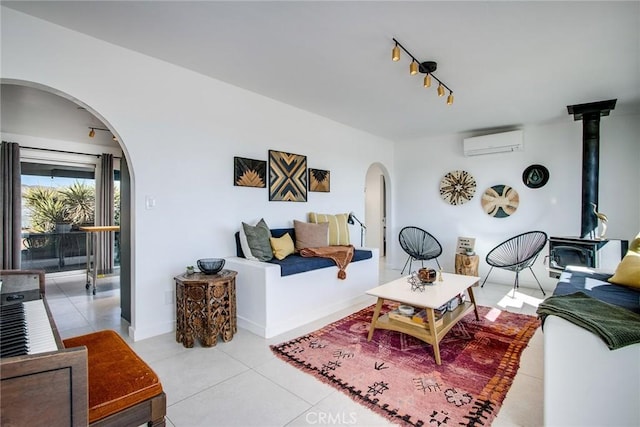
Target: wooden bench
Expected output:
[123,390]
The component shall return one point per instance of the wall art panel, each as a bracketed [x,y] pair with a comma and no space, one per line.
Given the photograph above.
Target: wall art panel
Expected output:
[287,177]
[249,172]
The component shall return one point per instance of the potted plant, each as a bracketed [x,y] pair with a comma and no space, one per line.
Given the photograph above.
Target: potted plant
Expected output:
[190,270]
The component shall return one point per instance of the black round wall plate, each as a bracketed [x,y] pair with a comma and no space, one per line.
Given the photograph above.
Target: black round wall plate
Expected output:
[535,176]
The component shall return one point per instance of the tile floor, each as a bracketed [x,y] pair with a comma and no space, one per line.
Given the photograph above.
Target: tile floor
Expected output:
[241,383]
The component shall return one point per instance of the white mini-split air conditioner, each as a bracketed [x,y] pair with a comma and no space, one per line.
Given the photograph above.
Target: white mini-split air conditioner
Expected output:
[495,143]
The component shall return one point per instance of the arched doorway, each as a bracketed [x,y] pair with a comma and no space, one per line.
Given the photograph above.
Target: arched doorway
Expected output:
[54,128]
[377,212]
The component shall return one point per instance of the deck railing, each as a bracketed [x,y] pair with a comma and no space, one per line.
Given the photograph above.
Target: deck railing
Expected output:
[54,252]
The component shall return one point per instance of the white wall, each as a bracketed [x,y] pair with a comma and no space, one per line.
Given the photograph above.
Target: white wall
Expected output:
[180,132]
[554,208]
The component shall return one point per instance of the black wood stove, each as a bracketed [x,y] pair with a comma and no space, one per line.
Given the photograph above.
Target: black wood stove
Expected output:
[587,250]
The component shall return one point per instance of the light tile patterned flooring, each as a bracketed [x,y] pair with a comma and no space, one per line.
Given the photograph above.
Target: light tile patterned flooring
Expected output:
[241,383]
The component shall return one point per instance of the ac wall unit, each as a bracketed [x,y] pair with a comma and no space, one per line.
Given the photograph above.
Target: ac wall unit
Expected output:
[495,143]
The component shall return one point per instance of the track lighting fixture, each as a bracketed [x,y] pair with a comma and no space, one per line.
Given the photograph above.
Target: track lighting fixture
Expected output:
[92,132]
[426,67]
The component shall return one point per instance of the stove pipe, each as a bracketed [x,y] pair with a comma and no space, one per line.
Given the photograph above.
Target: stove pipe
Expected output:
[590,115]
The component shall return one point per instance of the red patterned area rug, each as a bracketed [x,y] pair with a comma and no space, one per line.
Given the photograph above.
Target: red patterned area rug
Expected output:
[396,375]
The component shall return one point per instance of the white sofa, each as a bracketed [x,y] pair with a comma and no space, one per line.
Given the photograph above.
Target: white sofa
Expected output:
[269,304]
[585,383]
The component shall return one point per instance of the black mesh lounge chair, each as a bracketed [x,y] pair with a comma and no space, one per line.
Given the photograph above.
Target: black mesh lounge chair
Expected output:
[516,254]
[419,245]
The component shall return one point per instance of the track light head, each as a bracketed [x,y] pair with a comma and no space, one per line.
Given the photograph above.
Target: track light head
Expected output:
[395,53]
[440,90]
[92,132]
[450,98]
[413,68]
[427,80]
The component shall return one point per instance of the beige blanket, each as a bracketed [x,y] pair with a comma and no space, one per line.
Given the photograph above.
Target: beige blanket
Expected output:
[341,255]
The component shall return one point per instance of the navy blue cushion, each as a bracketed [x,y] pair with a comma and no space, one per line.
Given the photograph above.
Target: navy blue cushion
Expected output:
[595,285]
[295,263]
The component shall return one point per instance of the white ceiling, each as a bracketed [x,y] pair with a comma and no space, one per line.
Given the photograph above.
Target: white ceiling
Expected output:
[508,63]
[34,112]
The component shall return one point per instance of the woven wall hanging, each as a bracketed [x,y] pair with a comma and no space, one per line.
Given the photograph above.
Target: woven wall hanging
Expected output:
[500,201]
[457,187]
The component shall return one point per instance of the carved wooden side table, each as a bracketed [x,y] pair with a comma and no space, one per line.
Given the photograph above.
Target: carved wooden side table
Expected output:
[467,264]
[206,307]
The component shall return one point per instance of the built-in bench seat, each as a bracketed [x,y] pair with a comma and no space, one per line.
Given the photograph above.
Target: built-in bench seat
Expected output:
[295,263]
[276,296]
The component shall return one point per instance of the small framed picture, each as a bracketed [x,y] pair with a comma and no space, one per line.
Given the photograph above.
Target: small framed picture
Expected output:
[249,172]
[319,180]
[465,245]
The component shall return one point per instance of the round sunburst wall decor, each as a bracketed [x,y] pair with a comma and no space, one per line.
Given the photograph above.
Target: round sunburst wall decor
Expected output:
[500,201]
[457,187]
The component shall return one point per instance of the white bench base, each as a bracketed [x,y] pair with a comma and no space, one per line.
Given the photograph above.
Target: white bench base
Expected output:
[269,304]
[585,383]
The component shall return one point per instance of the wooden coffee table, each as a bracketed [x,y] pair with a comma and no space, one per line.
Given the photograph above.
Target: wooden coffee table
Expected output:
[432,297]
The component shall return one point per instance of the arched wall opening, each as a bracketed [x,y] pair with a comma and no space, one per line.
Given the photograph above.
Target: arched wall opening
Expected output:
[55,150]
[377,207]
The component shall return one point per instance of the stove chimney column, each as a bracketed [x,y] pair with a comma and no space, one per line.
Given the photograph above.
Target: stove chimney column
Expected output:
[590,115]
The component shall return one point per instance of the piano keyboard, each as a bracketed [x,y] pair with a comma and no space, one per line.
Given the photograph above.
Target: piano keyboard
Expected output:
[25,329]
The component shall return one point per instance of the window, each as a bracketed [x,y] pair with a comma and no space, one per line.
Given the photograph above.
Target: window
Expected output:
[56,200]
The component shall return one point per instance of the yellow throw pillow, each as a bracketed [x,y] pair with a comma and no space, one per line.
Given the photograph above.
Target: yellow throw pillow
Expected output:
[628,271]
[282,246]
[338,227]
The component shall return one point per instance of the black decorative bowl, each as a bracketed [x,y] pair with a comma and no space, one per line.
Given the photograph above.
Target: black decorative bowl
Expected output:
[210,265]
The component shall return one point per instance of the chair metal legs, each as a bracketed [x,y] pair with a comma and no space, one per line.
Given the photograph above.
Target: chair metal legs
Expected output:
[486,277]
[410,262]
[516,283]
[539,285]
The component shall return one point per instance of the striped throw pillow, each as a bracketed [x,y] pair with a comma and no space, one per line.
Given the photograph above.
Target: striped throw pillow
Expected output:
[338,227]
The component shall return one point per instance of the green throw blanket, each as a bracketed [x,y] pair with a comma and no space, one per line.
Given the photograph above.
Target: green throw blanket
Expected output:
[617,326]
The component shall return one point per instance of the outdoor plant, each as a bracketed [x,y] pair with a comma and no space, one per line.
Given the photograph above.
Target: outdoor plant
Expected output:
[47,208]
[79,202]
[74,204]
